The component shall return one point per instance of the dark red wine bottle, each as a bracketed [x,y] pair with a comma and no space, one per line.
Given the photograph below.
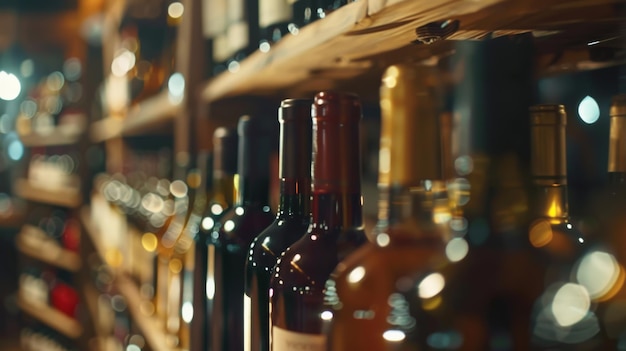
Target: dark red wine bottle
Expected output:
[229,244]
[292,219]
[222,194]
[336,230]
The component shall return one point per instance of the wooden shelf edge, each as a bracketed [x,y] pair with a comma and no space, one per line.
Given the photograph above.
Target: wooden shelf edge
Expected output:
[148,325]
[146,115]
[53,318]
[59,136]
[334,48]
[91,231]
[67,197]
[46,250]
[338,23]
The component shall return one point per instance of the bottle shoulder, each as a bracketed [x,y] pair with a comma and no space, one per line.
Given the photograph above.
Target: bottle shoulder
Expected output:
[277,237]
[241,224]
[372,266]
[311,259]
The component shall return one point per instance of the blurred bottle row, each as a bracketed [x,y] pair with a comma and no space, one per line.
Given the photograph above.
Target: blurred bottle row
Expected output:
[467,253]
[42,338]
[144,59]
[49,287]
[235,29]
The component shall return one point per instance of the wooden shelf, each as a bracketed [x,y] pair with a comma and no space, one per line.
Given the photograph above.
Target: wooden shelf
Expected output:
[51,317]
[92,232]
[149,326]
[32,242]
[362,38]
[65,197]
[59,136]
[153,114]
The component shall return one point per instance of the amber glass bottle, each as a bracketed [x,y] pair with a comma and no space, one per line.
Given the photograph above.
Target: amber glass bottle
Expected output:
[413,215]
[292,219]
[601,269]
[223,170]
[525,306]
[229,244]
[298,284]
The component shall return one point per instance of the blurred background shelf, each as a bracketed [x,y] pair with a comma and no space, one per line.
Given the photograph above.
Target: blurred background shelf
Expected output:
[153,115]
[65,197]
[51,317]
[93,234]
[58,136]
[32,242]
[353,45]
[148,325]
[12,220]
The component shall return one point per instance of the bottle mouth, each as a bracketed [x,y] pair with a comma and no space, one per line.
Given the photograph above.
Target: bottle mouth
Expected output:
[334,105]
[294,109]
[548,114]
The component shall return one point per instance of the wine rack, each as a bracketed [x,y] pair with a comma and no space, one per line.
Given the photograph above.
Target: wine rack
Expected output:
[349,49]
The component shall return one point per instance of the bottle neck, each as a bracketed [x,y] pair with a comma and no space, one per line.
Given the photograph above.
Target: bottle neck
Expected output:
[334,212]
[406,212]
[223,193]
[295,198]
[551,201]
[252,191]
[617,145]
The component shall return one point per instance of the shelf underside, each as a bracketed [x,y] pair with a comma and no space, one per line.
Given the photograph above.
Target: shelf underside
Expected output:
[352,44]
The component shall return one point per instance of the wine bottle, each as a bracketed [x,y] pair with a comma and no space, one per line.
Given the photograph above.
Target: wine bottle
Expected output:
[222,170]
[274,19]
[297,285]
[292,218]
[600,269]
[368,313]
[555,244]
[229,244]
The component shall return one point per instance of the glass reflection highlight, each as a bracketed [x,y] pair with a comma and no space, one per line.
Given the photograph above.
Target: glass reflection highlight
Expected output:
[430,286]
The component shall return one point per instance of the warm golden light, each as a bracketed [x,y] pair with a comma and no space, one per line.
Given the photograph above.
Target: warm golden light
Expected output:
[194,179]
[540,233]
[555,209]
[176,265]
[114,257]
[149,241]
[356,275]
[431,304]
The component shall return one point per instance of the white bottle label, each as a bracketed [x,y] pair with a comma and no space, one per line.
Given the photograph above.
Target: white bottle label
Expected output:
[238,36]
[285,340]
[236,10]
[273,11]
[221,50]
[213,17]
